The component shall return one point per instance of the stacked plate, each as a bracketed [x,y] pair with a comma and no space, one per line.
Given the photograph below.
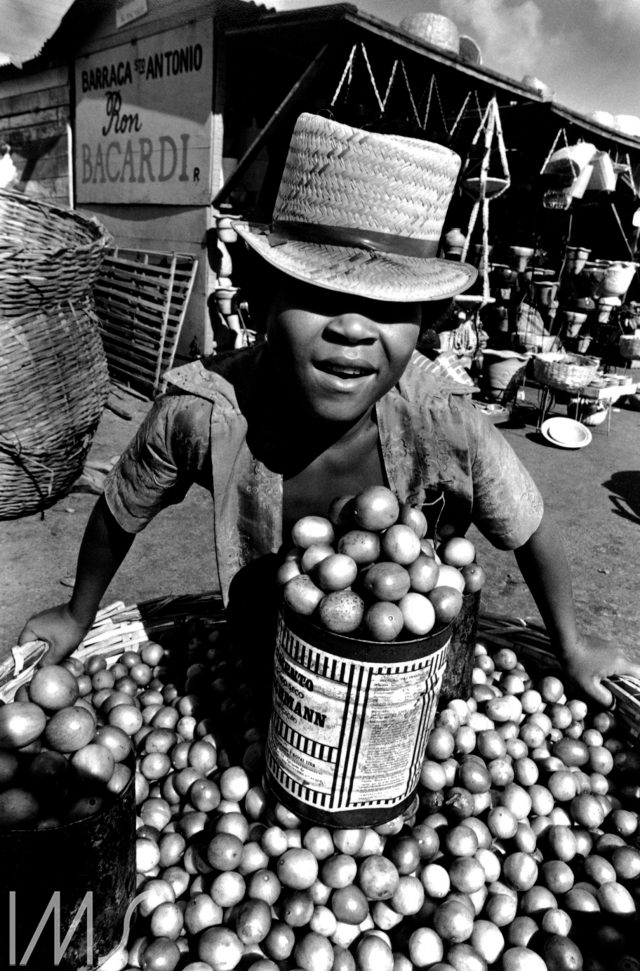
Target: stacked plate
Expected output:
[565,432]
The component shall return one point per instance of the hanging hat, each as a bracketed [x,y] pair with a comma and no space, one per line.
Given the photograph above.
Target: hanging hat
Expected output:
[362,213]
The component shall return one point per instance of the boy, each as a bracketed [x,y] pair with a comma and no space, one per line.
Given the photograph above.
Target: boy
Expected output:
[336,399]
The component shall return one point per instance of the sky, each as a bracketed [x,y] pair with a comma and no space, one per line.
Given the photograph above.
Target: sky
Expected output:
[586,51]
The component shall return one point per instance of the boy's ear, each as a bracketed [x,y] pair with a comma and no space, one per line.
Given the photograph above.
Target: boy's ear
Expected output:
[435,312]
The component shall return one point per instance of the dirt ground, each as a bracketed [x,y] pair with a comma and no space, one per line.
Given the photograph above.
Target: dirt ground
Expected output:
[593,493]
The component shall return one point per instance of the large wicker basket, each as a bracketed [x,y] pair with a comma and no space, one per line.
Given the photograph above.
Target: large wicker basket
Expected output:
[565,372]
[53,373]
[46,253]
[54,385]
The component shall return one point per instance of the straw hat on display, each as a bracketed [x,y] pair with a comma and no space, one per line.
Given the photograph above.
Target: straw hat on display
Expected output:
[362,213]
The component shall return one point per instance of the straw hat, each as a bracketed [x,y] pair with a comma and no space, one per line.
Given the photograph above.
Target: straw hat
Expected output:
[362,213]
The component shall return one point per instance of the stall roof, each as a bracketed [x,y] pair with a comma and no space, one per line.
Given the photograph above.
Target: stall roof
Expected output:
[311,27]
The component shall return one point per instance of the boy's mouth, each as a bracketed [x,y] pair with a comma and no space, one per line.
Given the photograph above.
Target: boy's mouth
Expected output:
[347,368]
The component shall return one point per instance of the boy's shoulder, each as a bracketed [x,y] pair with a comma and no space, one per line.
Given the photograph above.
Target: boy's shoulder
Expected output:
[220,378]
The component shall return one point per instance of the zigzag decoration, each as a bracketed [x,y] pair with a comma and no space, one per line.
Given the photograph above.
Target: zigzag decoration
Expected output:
[398,66]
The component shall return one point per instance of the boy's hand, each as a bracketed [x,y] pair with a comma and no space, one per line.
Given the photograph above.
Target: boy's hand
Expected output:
[58,628]
[594,659]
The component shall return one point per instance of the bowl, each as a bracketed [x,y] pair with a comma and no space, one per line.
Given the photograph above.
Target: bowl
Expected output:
[565,432]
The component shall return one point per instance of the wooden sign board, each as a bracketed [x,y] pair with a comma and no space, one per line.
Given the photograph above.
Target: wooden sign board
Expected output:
[128,10]
[144,120]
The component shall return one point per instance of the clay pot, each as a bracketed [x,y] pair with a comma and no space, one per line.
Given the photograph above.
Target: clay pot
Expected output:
[224,299]
[502,275]
[225,229]
[573,322]
[545,291]
[520,256]
[576,257]
[617,279]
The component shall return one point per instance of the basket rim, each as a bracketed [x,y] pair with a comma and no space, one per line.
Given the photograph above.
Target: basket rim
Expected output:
[97,234]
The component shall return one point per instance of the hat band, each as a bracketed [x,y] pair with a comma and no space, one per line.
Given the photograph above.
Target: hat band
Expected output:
[286,230]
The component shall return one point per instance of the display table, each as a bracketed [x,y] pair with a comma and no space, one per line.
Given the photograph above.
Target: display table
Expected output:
[590,393]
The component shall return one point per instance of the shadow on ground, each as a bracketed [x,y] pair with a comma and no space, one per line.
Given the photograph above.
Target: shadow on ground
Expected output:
[625,495]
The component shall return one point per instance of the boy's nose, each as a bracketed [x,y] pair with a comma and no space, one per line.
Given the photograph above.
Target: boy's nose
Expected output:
[353,328]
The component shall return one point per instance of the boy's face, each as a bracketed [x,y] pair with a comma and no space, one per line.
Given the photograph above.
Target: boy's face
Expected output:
[340,353]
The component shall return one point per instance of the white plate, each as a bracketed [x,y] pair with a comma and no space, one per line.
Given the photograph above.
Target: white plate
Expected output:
[565,432]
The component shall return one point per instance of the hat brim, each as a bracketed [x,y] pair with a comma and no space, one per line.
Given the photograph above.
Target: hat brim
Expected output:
[365,273]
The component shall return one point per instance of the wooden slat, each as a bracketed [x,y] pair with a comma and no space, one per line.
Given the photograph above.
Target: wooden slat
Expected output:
[141,306]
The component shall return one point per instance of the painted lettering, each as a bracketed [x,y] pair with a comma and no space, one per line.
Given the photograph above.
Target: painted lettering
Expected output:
[310,715]
[128,164]
[142,160]
[294,674]
[180,60]
[146,154]
[106,76]
[168,158]
[185,146]
[112,147]
[120,122]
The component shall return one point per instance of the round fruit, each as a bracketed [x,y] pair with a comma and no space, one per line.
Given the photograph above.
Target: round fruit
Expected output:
[449,576]
[53,687]
[21,722]
[457,551]
[47,771]
[418,614]
[335,572]
[18,807]
[387,581]
[361,545]
[313,555]
[383,621]
[114,739]
[400,544]
[302,595]
[93,763]
[423,574]
[9,766]
[376,507]
[69,729]
[220,948]
[378,877]
[474,577]
[453,921]
[341,612]
[413,517]
[310,530]
[447,603]
[297,868]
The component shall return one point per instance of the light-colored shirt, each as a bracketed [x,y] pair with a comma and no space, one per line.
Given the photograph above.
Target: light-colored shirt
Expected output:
[439,452]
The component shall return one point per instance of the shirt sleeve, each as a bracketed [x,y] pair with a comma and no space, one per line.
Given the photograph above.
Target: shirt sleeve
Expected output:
[507,504]
[170,452]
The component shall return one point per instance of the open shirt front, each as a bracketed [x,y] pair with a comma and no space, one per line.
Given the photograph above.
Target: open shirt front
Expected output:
[438,452]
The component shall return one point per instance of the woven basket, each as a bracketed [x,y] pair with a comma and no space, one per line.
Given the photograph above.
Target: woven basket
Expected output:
[54,381]
[566,372]
[47,253]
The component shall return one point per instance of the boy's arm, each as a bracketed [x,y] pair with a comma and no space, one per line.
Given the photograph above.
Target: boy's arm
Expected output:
[103,548]
[586,659]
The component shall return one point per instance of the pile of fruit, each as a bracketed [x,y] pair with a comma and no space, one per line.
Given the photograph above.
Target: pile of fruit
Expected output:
[368,570]
[518,853]
[65,741]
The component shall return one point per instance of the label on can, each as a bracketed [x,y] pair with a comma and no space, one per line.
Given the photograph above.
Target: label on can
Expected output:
[349,734]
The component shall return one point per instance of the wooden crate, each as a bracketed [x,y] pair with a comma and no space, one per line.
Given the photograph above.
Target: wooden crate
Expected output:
[141,300]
